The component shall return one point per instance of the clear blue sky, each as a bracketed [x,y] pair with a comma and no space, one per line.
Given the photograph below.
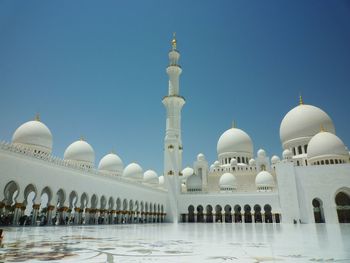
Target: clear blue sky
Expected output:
[97,69]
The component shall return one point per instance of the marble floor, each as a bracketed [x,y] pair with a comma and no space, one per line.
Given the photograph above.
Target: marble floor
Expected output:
[178,243]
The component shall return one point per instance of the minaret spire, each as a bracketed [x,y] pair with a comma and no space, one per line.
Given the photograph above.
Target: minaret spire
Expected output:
[173,103]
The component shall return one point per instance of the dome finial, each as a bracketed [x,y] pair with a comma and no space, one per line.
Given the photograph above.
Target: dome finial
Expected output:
[173,42]
[82,138]
[301,102]
[37,116]
[233,124]
[322,129]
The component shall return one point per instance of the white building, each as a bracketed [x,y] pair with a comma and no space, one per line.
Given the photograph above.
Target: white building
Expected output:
[309,184]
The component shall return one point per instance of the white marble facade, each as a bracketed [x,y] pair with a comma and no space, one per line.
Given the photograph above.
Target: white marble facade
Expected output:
[309,183]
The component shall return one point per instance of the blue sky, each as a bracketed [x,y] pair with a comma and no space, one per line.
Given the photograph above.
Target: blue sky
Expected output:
[97,69]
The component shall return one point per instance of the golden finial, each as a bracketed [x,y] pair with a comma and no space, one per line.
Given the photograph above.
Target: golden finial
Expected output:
[301,102]
[82,138]
[37,117]
[322,128]
[173,42]
[112,151]
[233,124]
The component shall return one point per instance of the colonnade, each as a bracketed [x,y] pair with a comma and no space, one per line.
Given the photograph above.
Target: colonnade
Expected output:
[14,215]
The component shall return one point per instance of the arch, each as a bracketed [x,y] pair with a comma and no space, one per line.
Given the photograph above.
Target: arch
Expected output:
[61,198]
[30,193]
[125,204]
[84,200]
[209,210]
[228,215]
[268,213]
[110,203]
[146,207]
[342,200]
[257,214]
[47,190]
[218,213]
[318,210]
[73,199]
[94,201]
[119,204]
[200,215]
[247,214]
[142,207]
[237,214]
[103,202]
[11,192]
[191,214]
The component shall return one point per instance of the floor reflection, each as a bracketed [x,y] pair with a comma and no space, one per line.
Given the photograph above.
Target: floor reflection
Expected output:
[178,243]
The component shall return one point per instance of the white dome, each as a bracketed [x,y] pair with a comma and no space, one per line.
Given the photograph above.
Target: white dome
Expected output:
[216,163]
[264,179]
[133,170]
[287,154]
[326,145]
[304,121]
[161,179]
[111,163]
[275,159]
[234,141]
[228,181]
[33,133]
[187,172]
[80,151]
[151,177]
[194,183]
[233,162]
[252,162]
[212,167]
[261,153]
[200,157]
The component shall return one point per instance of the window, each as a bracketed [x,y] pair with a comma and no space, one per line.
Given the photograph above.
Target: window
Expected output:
[239,159]
[305,148]
[305,162]
[297,163]
[294,153]
[336,161]
[322,162]
[327,162]
[332,162]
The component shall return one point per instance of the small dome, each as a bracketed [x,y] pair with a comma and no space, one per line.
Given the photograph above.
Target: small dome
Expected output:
[150,177]
[187,172]
[304,121]
[212,167]
[261,153]
[227,181]
[252,162]
[34,134]
[275,159]
[216,163]
[287,154]
[161,179]
[80,151]
[325,145]
[134,171]
[194,183]
[264,179]
[111,163]
[233,162]
[235,141]
[200,157]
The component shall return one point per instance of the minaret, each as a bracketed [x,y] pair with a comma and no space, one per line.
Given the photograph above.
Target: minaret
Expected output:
[173,103]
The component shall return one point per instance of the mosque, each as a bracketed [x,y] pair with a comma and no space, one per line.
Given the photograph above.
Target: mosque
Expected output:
[310,183]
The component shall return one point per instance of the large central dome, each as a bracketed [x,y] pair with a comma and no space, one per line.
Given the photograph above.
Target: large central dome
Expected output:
[304,121]
[234,141]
